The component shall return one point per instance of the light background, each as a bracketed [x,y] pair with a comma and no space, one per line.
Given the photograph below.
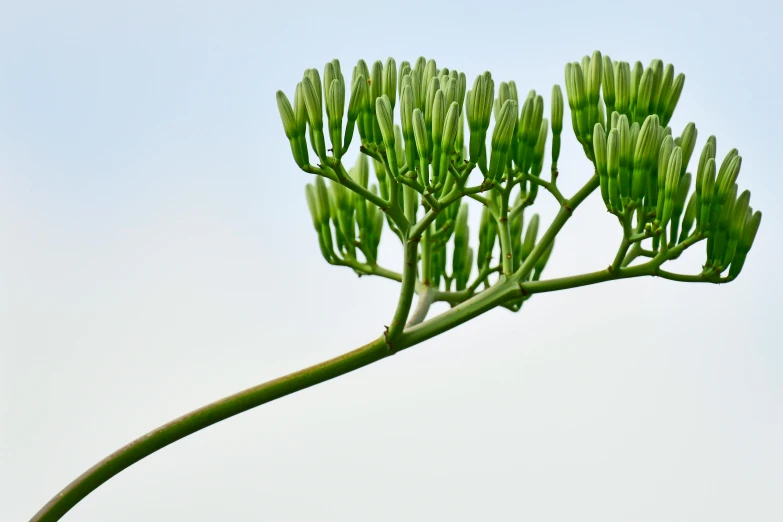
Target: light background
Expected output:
[156,254]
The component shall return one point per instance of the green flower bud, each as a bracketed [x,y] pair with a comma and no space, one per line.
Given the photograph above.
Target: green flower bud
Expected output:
[643,154]
[580,101]
[450,129]
[673,98]
[406,117]
[287,115]
[744,244]
[706,196]
[599,152]
[608,84]
[729,171]
[688,143]
[557,109]
[594,75]
[737,224]
[721,231]
[389,80]
[679,205]
[501,139]
[644,95]
[312,101]
[432,90]
[335,106]
[312,205]
[530,237]
[636,78]
[664,154]
[420,135]
[688,218]
[322,200]
[613,169]
[672,185]
[299,143]
[622,77]
[657,68]
[538,152]
[461,234]
[626,156]
[356,104]
[385,117]
[438,116]
[665,90]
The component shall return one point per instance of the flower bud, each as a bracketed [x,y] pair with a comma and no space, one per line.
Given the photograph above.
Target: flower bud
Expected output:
[608,84]
[287,115]
[420,135]
[530,237]
[636,77]
[626,156]
[644,152]
[688,218]
[729,171]
[673,98]
[622,86]
[313,206]
[594,75]
[389,81]
[613,168]
[432,90]
[312,101]
[385,117]
[406,118]
[538,152]
[599,153]
[335,106]
[664,155]
[438,116]
[688,143]
[707,195]
[672,185]
[501,139]
[580,101]
[450,129]
[737,223]
[657,68]
[745,243]
[644,95]
[679,205]
[557,109]
[665,91]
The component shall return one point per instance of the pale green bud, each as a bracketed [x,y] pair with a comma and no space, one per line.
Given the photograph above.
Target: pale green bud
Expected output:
[644,95]
[420,135]
[657,68]
[599,152]
[530,237]
[636,78]
[689,217]
[674,97]
[389,79]
[594,75]
[626,156]
[501,139]
[688,143]
[707,195]
[608,84]
[622,76]
[672,185]
[613,168]
[557,109]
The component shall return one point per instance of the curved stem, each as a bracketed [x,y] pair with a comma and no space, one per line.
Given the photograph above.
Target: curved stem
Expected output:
[204,417]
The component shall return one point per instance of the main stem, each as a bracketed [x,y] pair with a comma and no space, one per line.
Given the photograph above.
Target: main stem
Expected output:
[506,288]
[204,417]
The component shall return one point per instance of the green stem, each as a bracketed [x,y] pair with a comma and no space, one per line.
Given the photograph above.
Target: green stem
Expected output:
[410,262]
[203,417]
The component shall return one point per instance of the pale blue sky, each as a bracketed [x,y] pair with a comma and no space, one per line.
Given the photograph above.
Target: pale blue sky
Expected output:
[156,254]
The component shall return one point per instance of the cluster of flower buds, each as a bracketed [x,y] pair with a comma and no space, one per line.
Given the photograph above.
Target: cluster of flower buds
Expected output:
[425,154]
[343,220]
[422,156]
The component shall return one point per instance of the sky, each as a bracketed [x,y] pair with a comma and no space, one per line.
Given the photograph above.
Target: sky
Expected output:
[156,254]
